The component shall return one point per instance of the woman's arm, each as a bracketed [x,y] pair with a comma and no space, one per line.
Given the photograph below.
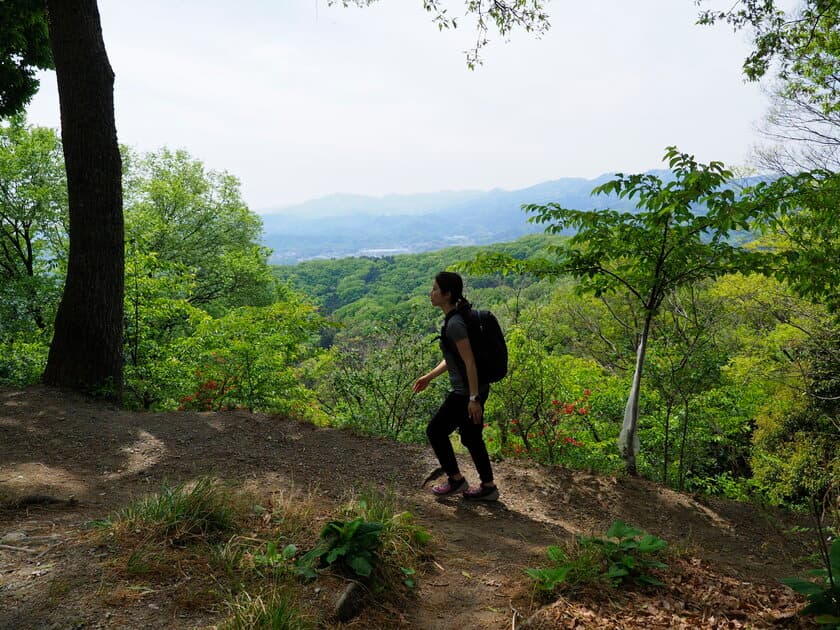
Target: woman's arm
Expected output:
[423,382]
[467,356]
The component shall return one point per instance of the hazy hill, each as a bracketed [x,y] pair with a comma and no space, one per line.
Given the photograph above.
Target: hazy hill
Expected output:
[338,226]
[346,225]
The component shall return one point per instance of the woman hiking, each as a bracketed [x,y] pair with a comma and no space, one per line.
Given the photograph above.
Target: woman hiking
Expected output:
[463,408]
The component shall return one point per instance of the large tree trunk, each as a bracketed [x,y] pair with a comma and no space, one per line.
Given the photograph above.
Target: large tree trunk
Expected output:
[86,350]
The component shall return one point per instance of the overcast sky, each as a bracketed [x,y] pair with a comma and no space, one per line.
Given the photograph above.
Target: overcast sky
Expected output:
[301,100]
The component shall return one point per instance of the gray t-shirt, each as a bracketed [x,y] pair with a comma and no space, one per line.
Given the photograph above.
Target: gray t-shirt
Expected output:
[456,329]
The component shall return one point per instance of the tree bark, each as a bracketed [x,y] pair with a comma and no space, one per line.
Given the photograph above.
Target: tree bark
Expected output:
[681,477]
[86,350]
[668,408]
[628,439]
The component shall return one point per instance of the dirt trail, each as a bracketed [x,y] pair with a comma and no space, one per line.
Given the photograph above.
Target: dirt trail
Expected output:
[59,444]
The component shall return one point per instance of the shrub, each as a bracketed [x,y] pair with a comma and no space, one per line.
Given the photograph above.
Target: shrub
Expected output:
[622,556]
[348,545]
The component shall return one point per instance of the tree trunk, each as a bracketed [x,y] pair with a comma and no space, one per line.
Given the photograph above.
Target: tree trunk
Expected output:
[668,408]
[86,350]
[628,440]
[681,483]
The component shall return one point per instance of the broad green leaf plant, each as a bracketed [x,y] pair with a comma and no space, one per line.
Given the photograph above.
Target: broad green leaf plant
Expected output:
[625,554]
[348,545]
[823,596]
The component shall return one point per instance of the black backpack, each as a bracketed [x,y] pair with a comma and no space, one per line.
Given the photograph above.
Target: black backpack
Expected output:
[488,345]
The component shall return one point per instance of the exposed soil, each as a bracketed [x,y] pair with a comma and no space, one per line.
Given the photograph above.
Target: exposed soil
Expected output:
[59,444]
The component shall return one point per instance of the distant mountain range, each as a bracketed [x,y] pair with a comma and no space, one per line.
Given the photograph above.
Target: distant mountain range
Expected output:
[338,226]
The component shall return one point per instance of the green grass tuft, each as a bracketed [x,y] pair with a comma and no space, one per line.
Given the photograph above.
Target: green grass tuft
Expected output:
[179,514]
[272,611]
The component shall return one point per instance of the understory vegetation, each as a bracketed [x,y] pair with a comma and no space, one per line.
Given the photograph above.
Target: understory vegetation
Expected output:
[244,556]
[741,375]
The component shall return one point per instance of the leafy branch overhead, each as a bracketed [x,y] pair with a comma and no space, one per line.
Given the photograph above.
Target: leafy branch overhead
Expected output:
[665,244]
[804,43]
[505,15]
[24,48]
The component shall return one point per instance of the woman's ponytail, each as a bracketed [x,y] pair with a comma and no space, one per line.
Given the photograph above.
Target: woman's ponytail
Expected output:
[463,305]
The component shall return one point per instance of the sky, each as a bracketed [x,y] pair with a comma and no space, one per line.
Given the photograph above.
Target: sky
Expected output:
[300,100]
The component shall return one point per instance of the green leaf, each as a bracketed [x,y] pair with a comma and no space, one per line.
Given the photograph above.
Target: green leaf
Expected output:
[289,552]
[333,528]
[336,552]
[307,572]
[834,557]
[548,579]
[311,556]
[802,586]
[368,529]
[619,529]
[617,571]
[350,528]
[361,566]
[827,619]
[648,579]
[649,544]
[555,554]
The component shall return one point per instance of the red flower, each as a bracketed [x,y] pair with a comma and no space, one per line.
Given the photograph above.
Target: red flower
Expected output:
[586,392]
[583,410]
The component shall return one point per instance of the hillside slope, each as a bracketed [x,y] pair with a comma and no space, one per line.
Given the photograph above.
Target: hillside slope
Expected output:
[52,576]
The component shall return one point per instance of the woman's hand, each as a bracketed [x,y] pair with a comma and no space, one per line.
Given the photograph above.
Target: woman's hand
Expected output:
[476,412]
[421,383]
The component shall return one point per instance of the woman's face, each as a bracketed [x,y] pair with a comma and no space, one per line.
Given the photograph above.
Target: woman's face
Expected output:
[437,297]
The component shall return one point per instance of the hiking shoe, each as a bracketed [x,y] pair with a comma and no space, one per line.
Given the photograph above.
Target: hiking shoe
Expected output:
[452,486]
[482,493]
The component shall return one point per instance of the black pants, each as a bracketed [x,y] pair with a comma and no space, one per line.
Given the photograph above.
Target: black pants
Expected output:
[453,414]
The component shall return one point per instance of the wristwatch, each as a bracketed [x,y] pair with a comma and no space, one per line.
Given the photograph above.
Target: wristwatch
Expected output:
[473,398]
